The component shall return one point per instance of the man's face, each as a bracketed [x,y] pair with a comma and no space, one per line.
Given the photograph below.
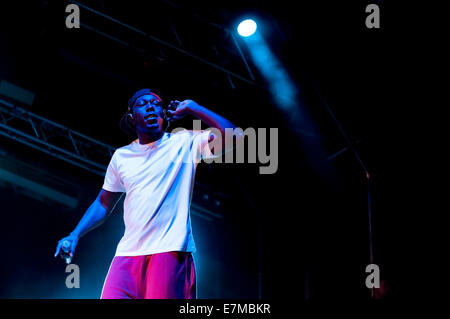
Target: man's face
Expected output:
[148,114]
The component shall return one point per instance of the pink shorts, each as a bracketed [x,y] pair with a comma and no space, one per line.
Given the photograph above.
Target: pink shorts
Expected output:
[169,275]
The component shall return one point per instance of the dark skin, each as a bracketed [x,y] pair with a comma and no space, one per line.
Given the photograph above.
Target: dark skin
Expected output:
[148,118]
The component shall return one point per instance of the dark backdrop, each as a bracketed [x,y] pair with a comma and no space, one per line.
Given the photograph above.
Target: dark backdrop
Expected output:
[314,227]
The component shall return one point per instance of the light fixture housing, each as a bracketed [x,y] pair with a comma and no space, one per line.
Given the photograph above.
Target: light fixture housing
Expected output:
[247,27]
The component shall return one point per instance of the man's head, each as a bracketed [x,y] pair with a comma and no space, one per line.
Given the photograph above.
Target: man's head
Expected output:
[145,114]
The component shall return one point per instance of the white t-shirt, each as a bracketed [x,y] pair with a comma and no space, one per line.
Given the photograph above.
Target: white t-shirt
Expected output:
[158,180]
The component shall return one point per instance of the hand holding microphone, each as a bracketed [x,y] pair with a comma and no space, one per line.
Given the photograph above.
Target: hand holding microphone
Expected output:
[66,248]
[177,110]
[66,252]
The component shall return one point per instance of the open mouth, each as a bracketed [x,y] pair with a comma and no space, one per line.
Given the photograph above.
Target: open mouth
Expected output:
[151,119]
[151,116]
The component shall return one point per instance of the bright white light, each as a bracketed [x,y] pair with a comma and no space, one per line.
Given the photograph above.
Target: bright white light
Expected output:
[246,28]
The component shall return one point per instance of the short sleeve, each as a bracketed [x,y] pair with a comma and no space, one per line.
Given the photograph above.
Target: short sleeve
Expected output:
[200,144]
[112,181]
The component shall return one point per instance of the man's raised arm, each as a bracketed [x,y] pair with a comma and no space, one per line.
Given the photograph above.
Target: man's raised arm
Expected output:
[179,109]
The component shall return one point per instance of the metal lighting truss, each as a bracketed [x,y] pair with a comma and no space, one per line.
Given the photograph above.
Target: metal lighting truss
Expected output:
[66,144]
[133,33]
[54,139]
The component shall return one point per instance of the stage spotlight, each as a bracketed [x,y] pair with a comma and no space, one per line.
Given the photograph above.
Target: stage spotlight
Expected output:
[246,28]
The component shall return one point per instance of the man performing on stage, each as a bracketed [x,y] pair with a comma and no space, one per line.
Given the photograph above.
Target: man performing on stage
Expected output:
[154,257]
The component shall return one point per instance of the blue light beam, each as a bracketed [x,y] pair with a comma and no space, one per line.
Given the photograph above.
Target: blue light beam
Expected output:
[290,100]
[284,91]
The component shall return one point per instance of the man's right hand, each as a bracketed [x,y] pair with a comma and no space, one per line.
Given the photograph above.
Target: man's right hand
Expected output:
[73,240]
